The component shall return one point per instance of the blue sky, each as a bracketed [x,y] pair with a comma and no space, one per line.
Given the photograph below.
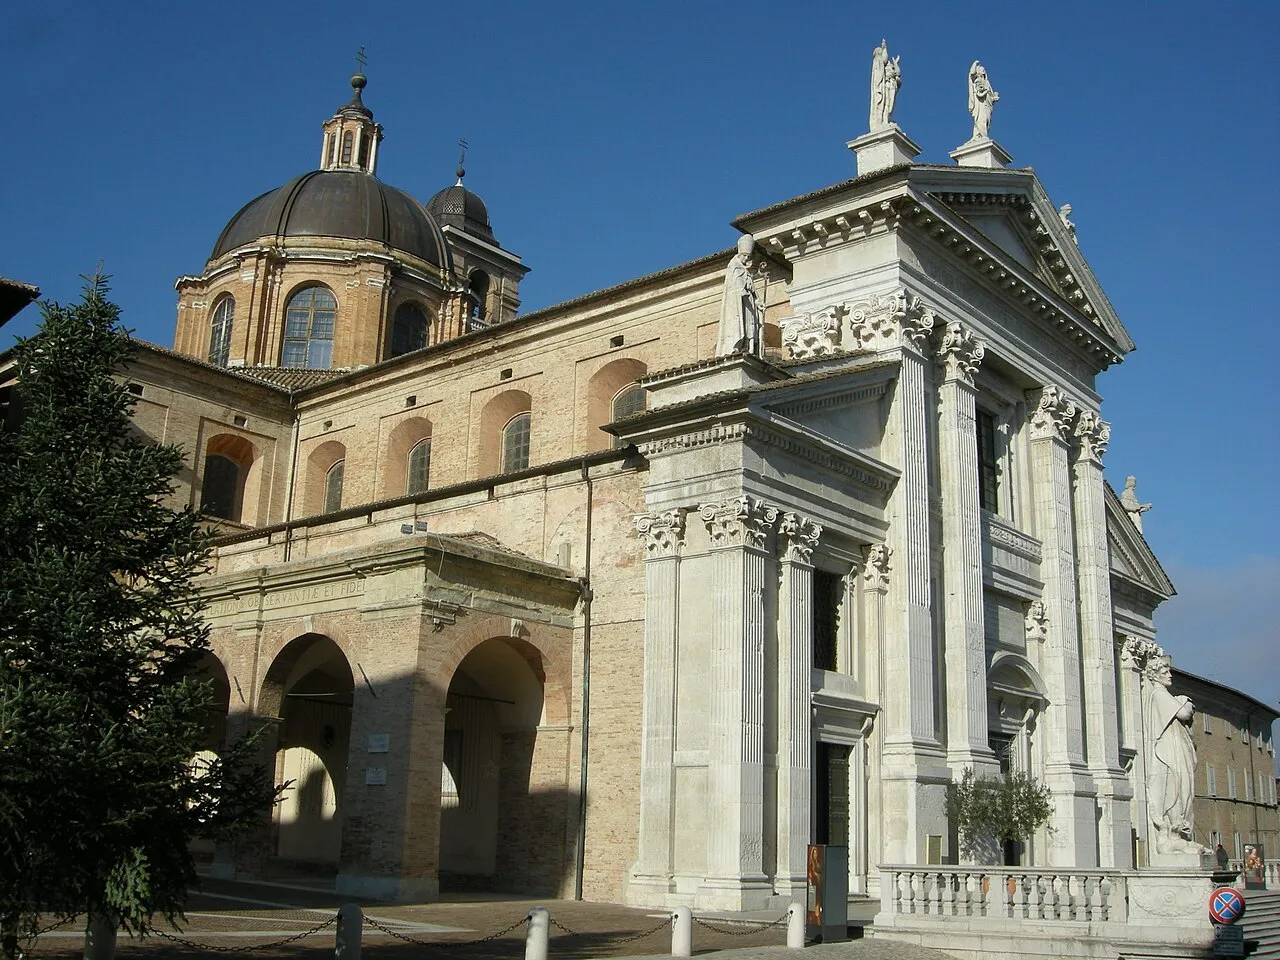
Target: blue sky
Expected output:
[612,140]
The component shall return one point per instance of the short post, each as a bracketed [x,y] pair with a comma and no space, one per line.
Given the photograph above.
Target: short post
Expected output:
[536,934]
[682,932]
[795,926]
[346,944]
[100,936]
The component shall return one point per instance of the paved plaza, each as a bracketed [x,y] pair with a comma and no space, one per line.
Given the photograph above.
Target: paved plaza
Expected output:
[225,916]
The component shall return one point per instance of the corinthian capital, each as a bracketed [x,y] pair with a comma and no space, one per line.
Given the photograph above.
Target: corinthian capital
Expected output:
[1094,434]
[1053,415]
[895,320]
[740,522]
[799,537]
[960,352]
[661,533]
[876,568]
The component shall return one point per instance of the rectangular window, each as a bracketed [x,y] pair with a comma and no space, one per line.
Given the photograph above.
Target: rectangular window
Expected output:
[988,463]
[1248,788]
[1226,727]
[1239,852]
[1231,782]
[1211,781]
[1208,723]
[828,591]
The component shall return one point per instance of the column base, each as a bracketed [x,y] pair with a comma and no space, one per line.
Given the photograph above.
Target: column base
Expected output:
[729,893]
[1073,841]
[647,890]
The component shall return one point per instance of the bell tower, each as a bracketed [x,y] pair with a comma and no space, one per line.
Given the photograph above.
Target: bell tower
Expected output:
[351,137]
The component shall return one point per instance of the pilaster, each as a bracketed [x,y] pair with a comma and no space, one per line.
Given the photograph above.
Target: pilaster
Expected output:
[1073,841]
[797,538]
[1097,644]
[740,530]
[963,630]
[662,535]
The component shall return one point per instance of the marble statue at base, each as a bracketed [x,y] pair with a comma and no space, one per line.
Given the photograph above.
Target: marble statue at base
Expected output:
[740,312]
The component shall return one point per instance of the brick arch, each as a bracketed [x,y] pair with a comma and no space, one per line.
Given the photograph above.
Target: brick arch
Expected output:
[536,653]
[601,390]
[286,656]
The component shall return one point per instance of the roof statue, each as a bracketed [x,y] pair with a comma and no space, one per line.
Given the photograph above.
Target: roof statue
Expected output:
[982,98]
[886,78]
[739,330]
[1132,505]
[1064,214]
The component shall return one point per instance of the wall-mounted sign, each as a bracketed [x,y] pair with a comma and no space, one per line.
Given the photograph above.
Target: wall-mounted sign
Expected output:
[379,742]
[375,776]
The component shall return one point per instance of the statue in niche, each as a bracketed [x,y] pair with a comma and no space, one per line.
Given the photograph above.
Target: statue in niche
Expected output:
[1171,777]
[886,78]
[1132,505]
[982,99]
[1064,214]
[740,313]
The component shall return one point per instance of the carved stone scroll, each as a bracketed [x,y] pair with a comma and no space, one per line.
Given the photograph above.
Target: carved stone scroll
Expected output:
[799,536]
[876,568]
[661,533]
[815,334]
[739,522]
[1094,434]
[1053,415]
[960,352]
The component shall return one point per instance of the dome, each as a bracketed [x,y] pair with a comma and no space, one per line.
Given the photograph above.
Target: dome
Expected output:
[459,207]
[347,204]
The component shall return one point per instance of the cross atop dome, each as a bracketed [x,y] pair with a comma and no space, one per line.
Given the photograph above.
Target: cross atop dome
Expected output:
[351,137]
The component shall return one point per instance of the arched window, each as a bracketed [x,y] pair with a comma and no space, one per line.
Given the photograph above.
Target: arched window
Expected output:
[333,487]
[364,152]
[419,466]
[308,329]
[220,331]
[346,148]
[331,148]
[218,492]
[479,289]
[630,399]
[515,443]
[409,331]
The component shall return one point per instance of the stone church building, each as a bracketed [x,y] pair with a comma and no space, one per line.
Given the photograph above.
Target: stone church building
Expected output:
[562,600]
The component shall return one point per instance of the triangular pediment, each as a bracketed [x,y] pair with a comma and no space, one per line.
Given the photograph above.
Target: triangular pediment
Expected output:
[1131,555]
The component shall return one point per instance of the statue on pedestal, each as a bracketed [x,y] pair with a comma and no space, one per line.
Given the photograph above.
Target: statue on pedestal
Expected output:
[1171,778]
[982,99]
[886,78]
[740,313]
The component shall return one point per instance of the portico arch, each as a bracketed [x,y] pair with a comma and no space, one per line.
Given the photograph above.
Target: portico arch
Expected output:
[309,687]
[1016,695]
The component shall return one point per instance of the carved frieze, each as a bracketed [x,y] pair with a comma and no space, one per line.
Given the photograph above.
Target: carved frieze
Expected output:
[661,533]
[814,334]
[1053,415]
[798,537]
[1094,434]
[740,522]
[876,568]
[960,352]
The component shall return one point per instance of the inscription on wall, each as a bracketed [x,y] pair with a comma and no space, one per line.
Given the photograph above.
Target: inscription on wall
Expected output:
[338,590]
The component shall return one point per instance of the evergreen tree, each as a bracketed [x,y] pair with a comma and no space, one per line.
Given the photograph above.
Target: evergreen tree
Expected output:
[101,710]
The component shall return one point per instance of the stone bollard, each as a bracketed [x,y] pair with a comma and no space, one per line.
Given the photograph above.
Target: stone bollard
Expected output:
[795,926]
[682,932]
[536,934]
[347,938]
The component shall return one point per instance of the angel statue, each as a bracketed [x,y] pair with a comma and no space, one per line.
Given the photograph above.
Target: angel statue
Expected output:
[886,78]
[982,99]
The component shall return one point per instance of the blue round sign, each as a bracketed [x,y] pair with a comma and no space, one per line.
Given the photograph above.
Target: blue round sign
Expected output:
[1226,905]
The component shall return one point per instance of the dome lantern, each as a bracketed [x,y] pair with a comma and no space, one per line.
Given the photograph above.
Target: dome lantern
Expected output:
[351,137]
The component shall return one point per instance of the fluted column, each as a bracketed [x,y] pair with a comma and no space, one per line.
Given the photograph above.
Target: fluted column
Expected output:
[875,585]
[740,530]
[963,630]
[662,535]
[1073,839]
[796,540]
[1097,644]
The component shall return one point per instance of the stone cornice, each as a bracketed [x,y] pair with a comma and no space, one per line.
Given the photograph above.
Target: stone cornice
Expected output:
[996,530]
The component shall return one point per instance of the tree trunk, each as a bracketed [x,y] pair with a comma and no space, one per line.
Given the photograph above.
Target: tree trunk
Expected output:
[9,937]
[100,936]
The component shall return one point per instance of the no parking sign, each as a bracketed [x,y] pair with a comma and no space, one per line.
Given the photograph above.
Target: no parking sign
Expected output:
[1226,905]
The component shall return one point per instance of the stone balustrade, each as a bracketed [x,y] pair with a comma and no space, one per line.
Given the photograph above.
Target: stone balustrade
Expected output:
[1004,893]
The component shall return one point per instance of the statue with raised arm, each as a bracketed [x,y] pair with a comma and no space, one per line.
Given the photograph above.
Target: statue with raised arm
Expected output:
[982,98]
[1134,507]
[740,313]
[886,78]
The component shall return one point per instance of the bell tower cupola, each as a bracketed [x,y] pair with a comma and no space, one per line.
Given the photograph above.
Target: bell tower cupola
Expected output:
[351,137]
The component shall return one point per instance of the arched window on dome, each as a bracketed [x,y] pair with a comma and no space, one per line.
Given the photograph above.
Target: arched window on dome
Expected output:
[409,330]
[308,329]
[364,152]
[630,399]
[331,149]
[515,443]
[333,487]
[346,149]
[419,466]
[220,331]
[478,287]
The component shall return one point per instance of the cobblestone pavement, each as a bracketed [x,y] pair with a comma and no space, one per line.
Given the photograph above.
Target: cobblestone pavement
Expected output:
[248,919]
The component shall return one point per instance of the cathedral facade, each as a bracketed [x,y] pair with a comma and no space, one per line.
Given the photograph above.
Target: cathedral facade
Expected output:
[581,600]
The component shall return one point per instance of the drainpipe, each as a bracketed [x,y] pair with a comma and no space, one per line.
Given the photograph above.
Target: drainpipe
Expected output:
[584,585]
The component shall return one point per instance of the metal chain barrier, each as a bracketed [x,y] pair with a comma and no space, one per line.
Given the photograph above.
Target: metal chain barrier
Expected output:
[191,944]
[443,943]
[635,936]
[756,926]
[54,926]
